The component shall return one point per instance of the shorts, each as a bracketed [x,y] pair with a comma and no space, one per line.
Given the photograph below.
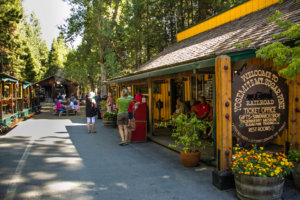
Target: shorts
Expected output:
[130,115]
[90,119]
[122,119]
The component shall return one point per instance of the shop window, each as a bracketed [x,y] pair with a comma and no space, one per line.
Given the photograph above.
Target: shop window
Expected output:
[18,91]
[156,88]
[6,91]
[113,91]
[142,88]
[202,85]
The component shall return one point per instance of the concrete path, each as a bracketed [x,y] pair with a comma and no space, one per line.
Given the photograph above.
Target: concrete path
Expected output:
[57,159]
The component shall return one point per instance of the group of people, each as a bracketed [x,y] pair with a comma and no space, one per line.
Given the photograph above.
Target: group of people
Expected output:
[202,109]
[125,107]
[70,105]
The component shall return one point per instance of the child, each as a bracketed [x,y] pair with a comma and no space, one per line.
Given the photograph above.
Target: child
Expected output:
[131,123]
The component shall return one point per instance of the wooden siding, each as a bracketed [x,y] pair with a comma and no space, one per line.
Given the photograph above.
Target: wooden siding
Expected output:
[225,17]
[166,99]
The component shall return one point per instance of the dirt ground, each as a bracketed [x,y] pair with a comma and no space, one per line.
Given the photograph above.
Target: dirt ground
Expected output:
[47,113]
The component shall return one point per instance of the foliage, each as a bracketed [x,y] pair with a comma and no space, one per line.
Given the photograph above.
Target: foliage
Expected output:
[245,44]
[121,35]
[285,56]
[23,53]
[294,155]
[11,13]
[57,56]
[186,132]
[255,162]
[108,115]
[102,103]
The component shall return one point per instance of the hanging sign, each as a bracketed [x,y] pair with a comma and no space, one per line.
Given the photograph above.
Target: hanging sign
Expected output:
[259,105]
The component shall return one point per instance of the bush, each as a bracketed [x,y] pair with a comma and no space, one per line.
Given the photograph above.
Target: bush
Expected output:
[294,156]
[108,115]
[187,131]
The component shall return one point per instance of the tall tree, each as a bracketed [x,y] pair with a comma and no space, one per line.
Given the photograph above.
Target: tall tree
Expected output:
[57,56]
[11,13]
[125,34]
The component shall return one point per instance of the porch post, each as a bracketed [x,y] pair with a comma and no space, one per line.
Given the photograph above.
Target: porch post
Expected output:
[150,103]
[223,108]
[223,123]
[294,114]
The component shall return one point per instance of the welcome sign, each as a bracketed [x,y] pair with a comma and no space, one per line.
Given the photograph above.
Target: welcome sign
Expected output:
[259,105]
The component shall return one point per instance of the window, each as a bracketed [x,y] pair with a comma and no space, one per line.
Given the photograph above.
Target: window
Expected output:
[6,91]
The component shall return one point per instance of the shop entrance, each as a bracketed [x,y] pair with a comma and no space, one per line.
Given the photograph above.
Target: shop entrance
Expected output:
[176,91]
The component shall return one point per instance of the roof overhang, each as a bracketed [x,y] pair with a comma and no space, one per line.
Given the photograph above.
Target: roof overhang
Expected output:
[199,66]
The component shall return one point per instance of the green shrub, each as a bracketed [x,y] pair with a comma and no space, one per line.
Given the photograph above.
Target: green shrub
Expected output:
[108,115]
[294,155]
[187,132]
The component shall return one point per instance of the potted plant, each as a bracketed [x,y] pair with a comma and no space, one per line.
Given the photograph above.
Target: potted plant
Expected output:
[187,135]
[259,175]
[109,119]
[102,105]
[294,156]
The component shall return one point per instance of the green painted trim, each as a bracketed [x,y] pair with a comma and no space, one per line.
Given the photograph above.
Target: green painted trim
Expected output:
[170,70]
[25,85]
[9,79]
[235,56]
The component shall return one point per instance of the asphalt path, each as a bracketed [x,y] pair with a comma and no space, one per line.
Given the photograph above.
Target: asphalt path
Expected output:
[57,159]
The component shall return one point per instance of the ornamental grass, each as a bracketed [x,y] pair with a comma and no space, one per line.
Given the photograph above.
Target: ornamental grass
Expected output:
[255,162]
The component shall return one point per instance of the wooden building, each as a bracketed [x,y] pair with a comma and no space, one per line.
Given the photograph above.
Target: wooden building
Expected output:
[18,100]
[205,62]
[54,85]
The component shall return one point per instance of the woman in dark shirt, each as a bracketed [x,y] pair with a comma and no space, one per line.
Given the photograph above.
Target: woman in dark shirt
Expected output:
[91,112]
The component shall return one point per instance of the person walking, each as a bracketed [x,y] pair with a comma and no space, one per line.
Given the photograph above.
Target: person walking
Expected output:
[122,118]
[91,112]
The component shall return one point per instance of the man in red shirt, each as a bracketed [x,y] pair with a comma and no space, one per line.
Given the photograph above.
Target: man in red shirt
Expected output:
[203,108]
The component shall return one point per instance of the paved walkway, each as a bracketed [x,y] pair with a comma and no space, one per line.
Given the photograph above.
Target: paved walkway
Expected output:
[57,159]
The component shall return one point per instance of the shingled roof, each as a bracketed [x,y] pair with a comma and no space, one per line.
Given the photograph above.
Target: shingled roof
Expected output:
[221,40]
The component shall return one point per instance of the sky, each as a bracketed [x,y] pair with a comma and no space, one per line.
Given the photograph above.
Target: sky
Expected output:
[50,14]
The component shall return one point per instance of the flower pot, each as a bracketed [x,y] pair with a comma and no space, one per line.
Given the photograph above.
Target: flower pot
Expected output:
[296,175]
[107,122]
[190,159]
[258,188]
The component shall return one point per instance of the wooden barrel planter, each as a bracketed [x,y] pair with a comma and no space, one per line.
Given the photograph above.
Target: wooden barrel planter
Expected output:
[296,175]
[190,159]
[109,122]
[258,188]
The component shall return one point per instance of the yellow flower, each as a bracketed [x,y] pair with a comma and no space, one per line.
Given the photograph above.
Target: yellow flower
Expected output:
[272,174]
[282,163]
[259,173]
[261,148]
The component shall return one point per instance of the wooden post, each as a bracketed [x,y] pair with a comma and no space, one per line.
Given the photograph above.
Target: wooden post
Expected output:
[223,112]
[294,113]
[150,103]
[11,98]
